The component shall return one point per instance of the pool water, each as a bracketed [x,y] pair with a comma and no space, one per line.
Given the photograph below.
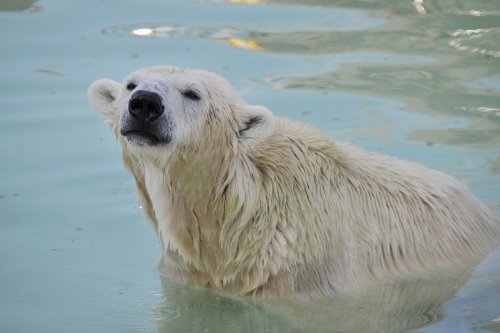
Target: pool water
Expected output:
[419,80]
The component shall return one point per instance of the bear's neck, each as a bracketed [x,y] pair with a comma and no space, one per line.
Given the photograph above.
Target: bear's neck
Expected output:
[190,199]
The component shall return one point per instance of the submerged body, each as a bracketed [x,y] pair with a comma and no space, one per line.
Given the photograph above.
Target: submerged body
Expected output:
[251,203]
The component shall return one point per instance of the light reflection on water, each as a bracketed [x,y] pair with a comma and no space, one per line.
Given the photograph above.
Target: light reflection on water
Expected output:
[416,79]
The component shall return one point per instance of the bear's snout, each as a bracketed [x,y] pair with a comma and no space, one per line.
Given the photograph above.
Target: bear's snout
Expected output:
[145,106]
[144,120]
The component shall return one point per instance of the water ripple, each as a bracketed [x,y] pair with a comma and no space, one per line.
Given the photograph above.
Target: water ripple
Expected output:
[229,35]
[478,41]
[477,12]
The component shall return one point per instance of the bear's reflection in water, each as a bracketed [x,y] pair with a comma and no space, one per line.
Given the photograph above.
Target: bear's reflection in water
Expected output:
[399,305]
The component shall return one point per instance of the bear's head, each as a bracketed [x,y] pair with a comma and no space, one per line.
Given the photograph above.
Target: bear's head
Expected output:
[183,134]
[167,108]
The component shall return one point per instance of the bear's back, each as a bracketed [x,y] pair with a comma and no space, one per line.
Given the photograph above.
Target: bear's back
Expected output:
[373,210]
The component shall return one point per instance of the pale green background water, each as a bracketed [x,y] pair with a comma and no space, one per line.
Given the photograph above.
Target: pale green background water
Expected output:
[416,79]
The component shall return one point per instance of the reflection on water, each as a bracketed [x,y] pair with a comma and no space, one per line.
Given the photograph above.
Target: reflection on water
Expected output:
[225,34]
[16,5]
[476,40]
[485,7]
[396,306]
[417,84]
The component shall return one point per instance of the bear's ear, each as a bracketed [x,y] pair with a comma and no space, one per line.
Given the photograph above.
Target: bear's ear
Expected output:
[255,124]
[102,95]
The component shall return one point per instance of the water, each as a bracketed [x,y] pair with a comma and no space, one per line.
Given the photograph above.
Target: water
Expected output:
[416,79]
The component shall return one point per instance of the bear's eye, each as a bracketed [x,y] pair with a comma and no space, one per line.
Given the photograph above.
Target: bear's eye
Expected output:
[191,94]
[131,86]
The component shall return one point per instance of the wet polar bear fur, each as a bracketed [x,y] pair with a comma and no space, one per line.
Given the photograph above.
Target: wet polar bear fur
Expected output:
[254,204]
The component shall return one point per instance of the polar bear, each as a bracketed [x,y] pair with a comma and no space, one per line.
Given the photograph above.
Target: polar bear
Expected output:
[254,204]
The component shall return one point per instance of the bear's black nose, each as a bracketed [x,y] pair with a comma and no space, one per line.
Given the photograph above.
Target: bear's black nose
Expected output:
[145,106]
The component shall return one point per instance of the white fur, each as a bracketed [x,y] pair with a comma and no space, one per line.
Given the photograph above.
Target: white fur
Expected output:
[253,204]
